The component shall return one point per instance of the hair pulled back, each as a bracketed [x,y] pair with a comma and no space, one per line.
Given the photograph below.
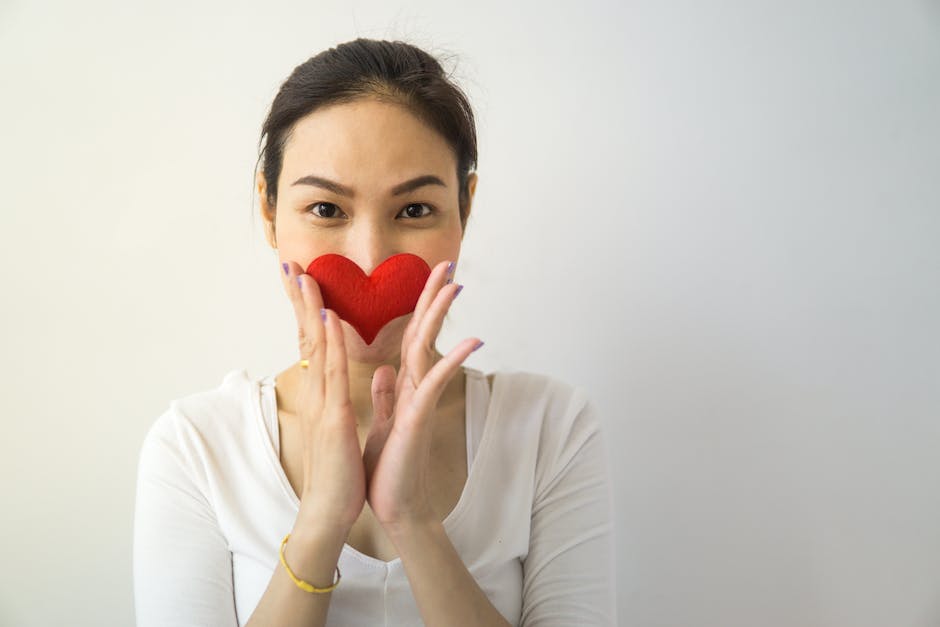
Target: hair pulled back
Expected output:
[391,71]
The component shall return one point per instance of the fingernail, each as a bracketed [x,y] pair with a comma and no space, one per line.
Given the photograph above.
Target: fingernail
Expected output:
[299,284]
[449,281]
[459,287]
[450,267]
[477,346]
[284,265]
[323,315]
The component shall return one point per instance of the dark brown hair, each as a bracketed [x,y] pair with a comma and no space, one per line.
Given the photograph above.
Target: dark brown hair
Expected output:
[391,71]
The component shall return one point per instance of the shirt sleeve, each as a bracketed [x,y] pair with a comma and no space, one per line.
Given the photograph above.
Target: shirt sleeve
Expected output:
[182,565]
[569,570]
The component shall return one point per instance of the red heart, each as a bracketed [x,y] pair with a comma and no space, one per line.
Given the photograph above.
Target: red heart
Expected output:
[368,303]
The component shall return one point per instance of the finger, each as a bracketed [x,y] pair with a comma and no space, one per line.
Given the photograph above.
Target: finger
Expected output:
[421,351]
[433,384]
[402,378]
[313,342]
[304,302]
[293,294]
[311,302]
[436,280]
[383,405]
[335,372]
[383,393]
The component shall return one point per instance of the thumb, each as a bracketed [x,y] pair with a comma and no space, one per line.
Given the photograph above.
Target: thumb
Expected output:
[383,393]
[383,405]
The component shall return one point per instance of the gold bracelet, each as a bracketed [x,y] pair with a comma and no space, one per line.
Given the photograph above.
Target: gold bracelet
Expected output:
[303,585]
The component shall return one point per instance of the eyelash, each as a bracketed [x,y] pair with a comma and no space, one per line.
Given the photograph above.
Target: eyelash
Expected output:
[312,210]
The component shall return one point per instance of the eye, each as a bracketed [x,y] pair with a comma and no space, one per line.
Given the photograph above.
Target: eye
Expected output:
[332,209]
[411,214]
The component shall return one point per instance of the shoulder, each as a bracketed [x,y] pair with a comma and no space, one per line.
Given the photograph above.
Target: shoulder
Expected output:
[537,392]
[196,421]
[538,407]
[545,422]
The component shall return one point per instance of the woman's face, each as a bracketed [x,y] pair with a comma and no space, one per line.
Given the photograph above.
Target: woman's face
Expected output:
[337,194]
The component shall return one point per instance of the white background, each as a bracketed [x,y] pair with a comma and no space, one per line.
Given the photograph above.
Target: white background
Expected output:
[721,218]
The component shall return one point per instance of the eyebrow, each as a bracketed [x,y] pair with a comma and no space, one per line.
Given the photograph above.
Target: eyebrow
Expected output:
[342,190]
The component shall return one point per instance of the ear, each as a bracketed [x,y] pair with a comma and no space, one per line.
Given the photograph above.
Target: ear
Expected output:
[471,189]
[267,211]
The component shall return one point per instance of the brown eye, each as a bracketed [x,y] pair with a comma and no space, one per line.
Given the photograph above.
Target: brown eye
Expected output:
[330,213]
[412,213]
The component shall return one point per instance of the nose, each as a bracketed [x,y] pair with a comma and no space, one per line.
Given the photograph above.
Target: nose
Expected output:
[369,243]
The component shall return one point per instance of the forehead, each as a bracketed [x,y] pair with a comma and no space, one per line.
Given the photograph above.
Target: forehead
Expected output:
[366,144]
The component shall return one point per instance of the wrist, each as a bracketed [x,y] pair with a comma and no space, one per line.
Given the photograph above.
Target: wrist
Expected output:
[312,523]
[310,559]
[322,536]
[407,531]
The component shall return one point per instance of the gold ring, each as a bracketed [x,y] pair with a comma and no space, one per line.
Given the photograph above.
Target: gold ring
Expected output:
[304,363]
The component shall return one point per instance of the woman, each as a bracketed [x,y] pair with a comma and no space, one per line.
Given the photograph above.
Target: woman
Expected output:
[375,481]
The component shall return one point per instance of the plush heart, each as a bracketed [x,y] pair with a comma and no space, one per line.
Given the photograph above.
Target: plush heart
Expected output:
[368,303]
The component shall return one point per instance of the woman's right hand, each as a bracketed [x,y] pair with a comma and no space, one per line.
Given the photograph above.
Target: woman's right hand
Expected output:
[334,486]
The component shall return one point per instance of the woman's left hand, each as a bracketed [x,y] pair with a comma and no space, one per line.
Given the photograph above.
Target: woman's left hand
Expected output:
[397,452]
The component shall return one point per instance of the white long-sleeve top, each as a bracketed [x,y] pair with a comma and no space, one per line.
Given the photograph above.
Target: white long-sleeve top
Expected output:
[533,524]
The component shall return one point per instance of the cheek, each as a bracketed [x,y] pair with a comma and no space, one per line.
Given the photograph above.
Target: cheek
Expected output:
[302,247]
[441,249]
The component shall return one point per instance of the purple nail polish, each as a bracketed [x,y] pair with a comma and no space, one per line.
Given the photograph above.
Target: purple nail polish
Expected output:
[299,284]
[478,346]
[284,265]
[450,267]
[323,315]
[459,287]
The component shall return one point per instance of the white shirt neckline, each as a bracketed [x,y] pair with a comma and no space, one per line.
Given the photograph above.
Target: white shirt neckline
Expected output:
[481,402]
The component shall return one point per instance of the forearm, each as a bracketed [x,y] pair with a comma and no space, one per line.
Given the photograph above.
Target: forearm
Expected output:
[312,556]
[445,591]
